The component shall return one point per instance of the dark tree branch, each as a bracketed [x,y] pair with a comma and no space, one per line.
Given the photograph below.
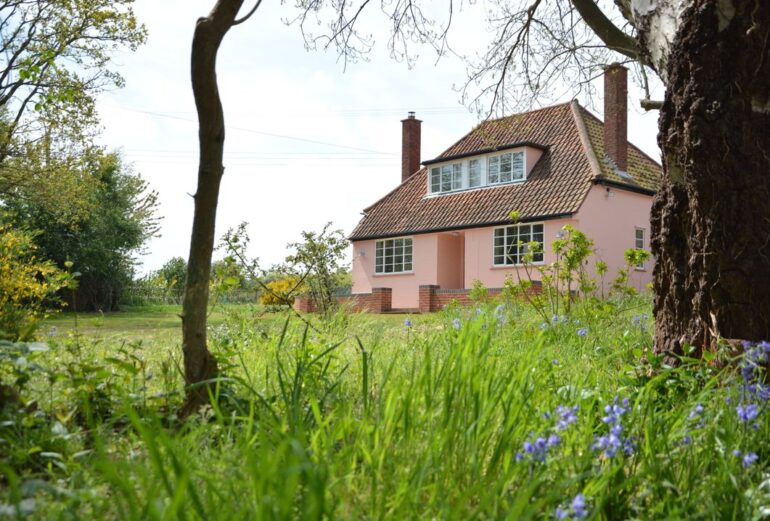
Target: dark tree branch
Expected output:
[249,14]
[613,38]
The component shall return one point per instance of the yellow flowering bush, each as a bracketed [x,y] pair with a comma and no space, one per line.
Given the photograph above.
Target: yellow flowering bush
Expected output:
[28,285]
[281,291]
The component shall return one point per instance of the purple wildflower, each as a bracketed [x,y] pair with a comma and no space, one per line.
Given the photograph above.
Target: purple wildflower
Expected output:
[408,322]
[456,324]
[748,412]
[566,416]
[748,459]
[583,331]
[579,506]
[561,513]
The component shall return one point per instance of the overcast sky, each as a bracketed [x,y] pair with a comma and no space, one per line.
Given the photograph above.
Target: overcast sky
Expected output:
[307,141]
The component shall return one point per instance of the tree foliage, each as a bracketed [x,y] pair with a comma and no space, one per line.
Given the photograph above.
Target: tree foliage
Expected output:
[318,261]
[101,243]
[55,59]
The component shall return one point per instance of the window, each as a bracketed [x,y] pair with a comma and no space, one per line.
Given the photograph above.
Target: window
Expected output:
[474,173]
[446,178]
[393,256]
[506,168]
[639,243]
[512,242]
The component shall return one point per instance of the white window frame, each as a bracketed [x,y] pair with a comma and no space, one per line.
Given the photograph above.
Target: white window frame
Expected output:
[499,158]
[461,172]
[643,238]
[505,236]
[380,249]
[456,182]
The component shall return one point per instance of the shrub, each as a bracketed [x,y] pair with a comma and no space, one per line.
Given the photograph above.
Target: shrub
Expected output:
[28,285]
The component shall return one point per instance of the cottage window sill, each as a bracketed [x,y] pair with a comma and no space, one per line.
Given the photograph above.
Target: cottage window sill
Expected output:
[394,274]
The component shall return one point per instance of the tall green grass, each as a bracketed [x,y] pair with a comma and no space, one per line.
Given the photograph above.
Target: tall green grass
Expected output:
[368,418]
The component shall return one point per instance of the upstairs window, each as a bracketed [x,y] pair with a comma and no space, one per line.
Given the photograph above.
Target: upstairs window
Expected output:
[506,168]
[474,173]
[639,243]
[446,178]
[512,243]
[393,256]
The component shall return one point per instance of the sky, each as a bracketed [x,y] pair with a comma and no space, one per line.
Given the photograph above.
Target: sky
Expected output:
[308,140]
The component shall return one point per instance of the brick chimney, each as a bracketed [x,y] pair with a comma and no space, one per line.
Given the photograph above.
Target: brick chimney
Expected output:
[616,114]
[410,146]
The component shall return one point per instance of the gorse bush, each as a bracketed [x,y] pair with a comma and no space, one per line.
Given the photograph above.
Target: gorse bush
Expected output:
[29,286]
[475,413]
[281,292]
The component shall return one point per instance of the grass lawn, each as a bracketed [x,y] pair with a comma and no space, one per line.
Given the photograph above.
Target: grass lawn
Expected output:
[495,412]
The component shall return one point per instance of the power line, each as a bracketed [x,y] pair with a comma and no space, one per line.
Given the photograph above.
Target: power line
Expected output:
[260,132]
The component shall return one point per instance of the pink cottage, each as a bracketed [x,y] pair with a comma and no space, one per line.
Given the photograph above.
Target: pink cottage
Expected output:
[447,224]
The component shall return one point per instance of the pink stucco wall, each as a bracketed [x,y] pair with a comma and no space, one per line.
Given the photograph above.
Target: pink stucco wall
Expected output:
[405,285]
[450,260]
[610,218]
[456,259]
[479,256]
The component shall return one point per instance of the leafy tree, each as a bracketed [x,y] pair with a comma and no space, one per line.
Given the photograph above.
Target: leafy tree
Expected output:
[55,58]
[101,243]
[318,261]
[173,274]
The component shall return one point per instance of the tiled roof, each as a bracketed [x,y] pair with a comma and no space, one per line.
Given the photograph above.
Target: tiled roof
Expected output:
[557,185]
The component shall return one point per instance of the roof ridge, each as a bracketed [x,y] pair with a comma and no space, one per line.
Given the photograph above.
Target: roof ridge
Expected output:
[486,121]
[585,141]
[532,111]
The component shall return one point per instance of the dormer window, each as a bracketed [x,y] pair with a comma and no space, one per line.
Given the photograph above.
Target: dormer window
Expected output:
[488,168]
[506,168]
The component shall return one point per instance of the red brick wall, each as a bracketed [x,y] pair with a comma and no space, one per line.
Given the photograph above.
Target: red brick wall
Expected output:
[378,301]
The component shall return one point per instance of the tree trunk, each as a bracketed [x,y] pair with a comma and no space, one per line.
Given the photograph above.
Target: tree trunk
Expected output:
[199,364]
[711,218]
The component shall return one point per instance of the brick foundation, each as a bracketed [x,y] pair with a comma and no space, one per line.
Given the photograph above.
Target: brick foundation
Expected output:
[378,301]
[432,298]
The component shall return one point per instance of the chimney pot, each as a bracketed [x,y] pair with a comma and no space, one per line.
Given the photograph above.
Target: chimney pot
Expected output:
[616,114]
[410,146]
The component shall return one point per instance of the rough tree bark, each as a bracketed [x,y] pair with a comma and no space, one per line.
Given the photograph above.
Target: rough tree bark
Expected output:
[711,219]
[199,364]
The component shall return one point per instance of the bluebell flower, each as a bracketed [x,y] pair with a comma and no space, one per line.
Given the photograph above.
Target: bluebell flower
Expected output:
[613,442]
[544,325]
[553,440]
[748,412]
[566,416]
[579,506]
[561,513]
[687,440]
[408,322]
[456,324]
[555,362]
[696,412]
[748,459]
[478,311]
[764,345]
[583,331]
[554,319]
